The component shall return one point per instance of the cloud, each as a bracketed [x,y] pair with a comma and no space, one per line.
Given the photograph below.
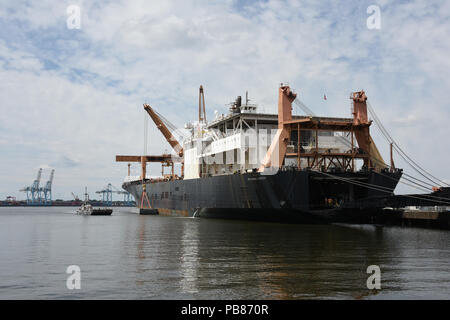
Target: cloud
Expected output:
[18,60]
[65,162]
[409,120]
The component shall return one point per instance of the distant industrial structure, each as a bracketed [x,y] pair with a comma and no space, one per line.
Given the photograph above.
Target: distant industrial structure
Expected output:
[47,190]
[107,192]
[39,196]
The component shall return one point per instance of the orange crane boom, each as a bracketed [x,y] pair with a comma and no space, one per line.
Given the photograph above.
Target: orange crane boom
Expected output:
[164,130]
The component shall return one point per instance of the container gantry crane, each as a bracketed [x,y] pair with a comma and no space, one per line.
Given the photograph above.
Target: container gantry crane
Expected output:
[128,199]
[47,190]
[34,192]
[106,195]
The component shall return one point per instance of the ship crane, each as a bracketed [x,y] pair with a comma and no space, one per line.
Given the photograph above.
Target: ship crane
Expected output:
[164,130]
[75,197]
[166,160]
[127,197]
[305,109]
[358,127]
[162,124]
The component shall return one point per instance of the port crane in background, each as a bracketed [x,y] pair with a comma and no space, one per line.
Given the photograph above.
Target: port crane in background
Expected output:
[108,191]
[75,197]
[127,197]
[106,195]
[77,200]
[39,196]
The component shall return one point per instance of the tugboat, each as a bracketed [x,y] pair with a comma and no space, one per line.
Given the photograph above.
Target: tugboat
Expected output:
[87,210]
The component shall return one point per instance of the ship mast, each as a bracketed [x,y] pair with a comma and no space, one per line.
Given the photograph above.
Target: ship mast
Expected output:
[201,106]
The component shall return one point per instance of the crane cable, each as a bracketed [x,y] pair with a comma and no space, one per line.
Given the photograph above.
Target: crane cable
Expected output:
[181,134]
[409,163]
[430,196]
[414,184]
[401,152]
[386,134]
[424,188]
[302,106]
[305,109]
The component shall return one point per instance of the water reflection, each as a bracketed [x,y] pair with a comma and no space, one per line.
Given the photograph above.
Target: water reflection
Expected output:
[282,261]
[189,260]
[129,256]
[235,259]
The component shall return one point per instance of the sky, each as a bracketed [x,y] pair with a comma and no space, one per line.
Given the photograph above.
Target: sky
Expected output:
[71,98]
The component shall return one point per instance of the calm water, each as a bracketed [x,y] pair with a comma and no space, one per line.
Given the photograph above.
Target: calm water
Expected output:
[128,256]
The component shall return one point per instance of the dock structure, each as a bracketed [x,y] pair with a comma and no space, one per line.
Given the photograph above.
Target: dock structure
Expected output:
[435,218]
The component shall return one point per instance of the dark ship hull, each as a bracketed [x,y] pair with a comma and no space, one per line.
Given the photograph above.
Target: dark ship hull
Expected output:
[293,196]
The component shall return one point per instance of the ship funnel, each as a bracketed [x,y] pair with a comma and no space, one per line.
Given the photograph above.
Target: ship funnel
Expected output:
[236,106]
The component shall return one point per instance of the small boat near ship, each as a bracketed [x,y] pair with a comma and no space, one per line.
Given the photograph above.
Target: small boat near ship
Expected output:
[86,208]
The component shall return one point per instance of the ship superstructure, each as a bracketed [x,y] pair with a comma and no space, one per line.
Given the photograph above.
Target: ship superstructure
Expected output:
[238,143]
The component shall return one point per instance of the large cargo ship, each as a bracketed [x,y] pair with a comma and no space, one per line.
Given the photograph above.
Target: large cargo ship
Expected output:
[272,167]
